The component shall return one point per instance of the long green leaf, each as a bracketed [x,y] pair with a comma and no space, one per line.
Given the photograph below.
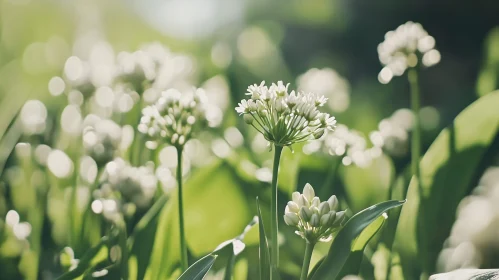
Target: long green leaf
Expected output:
[352,266]
[342,244]
[264,253]
[198,270]
[448,170]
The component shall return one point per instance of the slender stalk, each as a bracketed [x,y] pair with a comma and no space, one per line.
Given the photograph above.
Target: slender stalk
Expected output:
[412,76]
[183,245]
[306,260]
[274,253]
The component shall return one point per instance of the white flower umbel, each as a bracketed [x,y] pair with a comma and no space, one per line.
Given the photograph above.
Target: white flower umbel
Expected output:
[315,220]
[404,48]
[175,116]
[285,118]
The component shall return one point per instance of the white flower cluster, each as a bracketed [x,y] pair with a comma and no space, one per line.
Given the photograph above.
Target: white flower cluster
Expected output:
[124,186]
[393,133]
[473,238]
[315,220]
[346,143]
[175,116]
[329,83]
[285,118]
[404,48]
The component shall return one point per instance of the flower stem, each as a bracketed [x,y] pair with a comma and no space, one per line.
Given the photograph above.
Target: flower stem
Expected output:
[183,245]
[412,76]
[306,260]
[274,254]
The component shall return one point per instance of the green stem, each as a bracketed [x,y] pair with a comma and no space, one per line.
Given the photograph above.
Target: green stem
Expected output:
[416,132]
[274,254]
[183,246]
[306,260]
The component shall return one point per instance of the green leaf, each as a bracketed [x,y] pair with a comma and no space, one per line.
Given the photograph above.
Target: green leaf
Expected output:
[215,210]
[264,253]
[345,240]
[448,170]
[198,270]
[352,266]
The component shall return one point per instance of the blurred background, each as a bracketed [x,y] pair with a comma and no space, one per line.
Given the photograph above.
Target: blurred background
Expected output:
[75,74]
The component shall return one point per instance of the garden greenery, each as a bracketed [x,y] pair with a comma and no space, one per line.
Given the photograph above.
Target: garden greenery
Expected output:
[116,159]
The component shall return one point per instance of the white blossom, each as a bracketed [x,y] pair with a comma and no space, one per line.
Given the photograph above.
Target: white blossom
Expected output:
[404,48]
[175,116]
[314,220]
[285,118]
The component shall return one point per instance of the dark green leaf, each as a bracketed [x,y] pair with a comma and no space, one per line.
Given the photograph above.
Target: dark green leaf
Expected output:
[448,170]
[198,270]
[344,241]
[264,247]
[352,266]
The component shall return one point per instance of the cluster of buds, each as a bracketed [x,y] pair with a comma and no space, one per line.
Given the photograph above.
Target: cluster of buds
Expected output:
[285,118]
[403,48]
[315,220]
[175,116]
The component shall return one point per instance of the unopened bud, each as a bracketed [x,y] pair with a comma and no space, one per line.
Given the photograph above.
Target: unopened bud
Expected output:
[303,201]
[339,218]
[324,208]
[325,219]
[333,202]
[315,202]
[308,192]
[318,134]
[248,118]
[305,213]
[293,207]
[314,220]
[291,219]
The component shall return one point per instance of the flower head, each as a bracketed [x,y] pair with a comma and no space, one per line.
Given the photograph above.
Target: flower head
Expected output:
[404,48]
[175,116]
[283,117]
[315,220]
[101,139]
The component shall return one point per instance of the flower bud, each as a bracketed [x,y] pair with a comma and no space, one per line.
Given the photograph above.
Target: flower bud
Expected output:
[305,213]
[318,134]
[303,201]
[339,218]
[308,192]
[324,208]
[315,202]
[325,219]
[296,197]
[314,220]
[291,219]
[333,203]
[248,118]
[293,207]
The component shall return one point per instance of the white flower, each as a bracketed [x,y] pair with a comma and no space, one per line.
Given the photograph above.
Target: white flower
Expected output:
[404,48]
[285,118]
[101,139]
[315,220]
[175,116]
[328,83]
